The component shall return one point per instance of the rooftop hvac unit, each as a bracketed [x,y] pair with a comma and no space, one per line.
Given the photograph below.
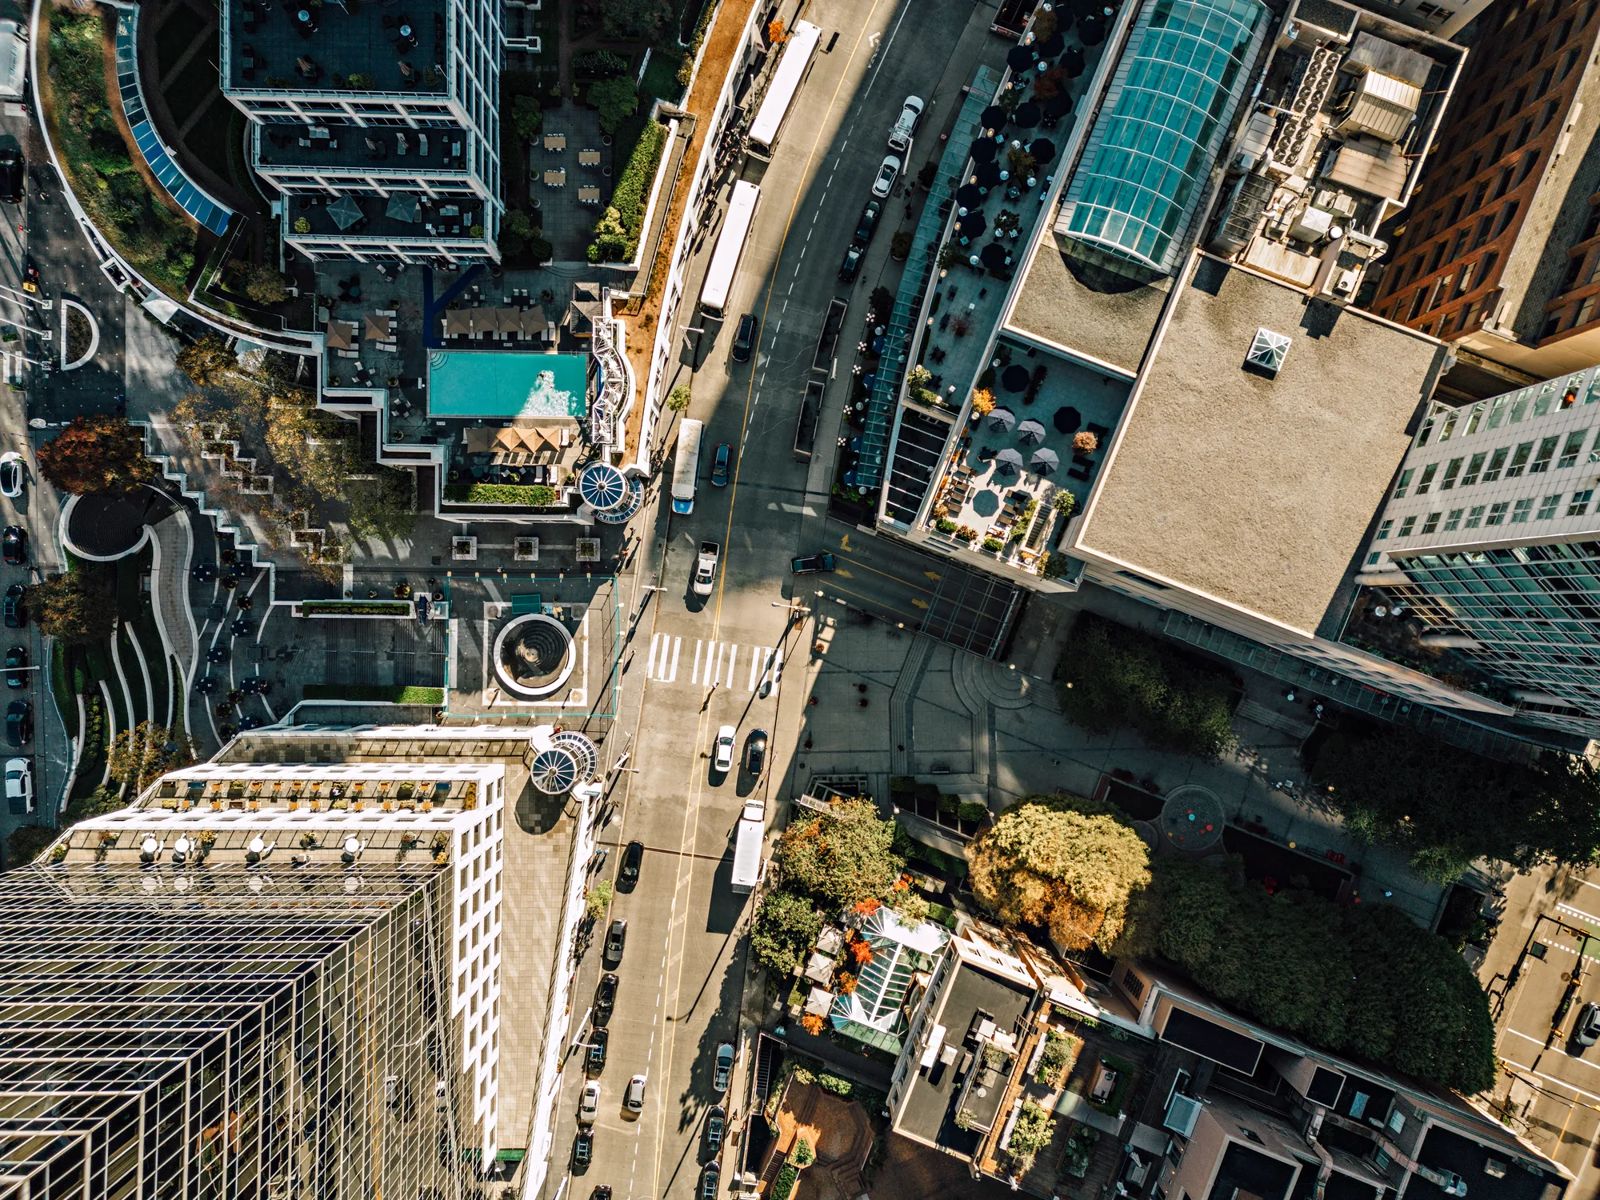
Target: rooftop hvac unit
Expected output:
[1344,283]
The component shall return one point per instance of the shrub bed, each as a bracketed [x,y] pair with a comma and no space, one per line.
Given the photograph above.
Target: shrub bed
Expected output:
[356,608]
[379,692]
[617,233]
[530,495]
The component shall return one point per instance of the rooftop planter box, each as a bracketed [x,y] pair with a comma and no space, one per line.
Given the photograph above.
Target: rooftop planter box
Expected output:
[925,800]
[524,495]
[393,610]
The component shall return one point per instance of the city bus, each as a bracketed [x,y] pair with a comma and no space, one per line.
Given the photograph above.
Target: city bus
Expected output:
[687,468]
[730,247]
[793,67]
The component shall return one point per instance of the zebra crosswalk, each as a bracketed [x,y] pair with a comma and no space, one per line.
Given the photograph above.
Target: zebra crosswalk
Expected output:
[705,662]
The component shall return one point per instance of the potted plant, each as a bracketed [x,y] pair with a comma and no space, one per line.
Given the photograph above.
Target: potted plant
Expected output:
[1085,442]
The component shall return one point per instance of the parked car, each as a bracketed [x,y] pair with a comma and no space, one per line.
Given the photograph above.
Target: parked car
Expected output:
[810,564]
[724,1068]
[15,607]
[709,1178]
[19,723]
[16,664]
[722,751]
[605,994]
[905,125]
[12,474]
[633,1098]
[632,858]
[19,786]
[851,266]
[888,172]
[12,175]
[716,1127]
[583,1148]
[589,1102]
[755,753]
[14,545]
[744,338]
[868,224]
[1587,1030]
[602,1191]
[616,941]
[599,1043]
[720,462]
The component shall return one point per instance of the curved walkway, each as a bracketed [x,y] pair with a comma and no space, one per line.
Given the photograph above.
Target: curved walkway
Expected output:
[171,548]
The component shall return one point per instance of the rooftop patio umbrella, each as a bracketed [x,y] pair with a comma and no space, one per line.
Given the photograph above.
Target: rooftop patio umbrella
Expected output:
[968,196]
[1020,58]
[457,322]
[339,334]
[1014,378]
[994,117]
[1042,149]
[1072,61]
[1092,29]
[987,174]
[1002,420]
[973,224]
[1044,461]
[344,212]
[1008,461]
[1055,43]
[984,150]
[1067,419]
[377,328]
[1030,432]
[993,256]
[402,206]
[1056,107]
[1026,116]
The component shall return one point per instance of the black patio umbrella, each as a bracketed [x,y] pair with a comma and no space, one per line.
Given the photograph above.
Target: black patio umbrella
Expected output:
[993,256]
[994,117]
[240,627]
[1067,419]
[1002,420]
[1030,432]
[1042,149]
[1072,60]
[984,150]
[1052,45]
[217,654]
[1026,116]
[1056,107]
[1015,378]
[1044,461]
[987,174]
[1020,58]
[968,196]
[1092,29]
[205,685]
[1008,461]
[973,224]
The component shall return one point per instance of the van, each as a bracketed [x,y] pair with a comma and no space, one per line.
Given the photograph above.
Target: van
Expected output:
[905,125]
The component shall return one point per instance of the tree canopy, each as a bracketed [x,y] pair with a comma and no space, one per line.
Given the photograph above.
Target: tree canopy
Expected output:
[785,926]
[141,755]
[632,19]
[208,361]
[76,607]
[616,99]
[1061,862]
[96,454]
[1359,980]
[840,857]
[1449,807]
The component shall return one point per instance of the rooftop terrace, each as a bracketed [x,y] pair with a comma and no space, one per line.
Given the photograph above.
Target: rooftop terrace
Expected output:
[401,215]
[355,148]
[349,48]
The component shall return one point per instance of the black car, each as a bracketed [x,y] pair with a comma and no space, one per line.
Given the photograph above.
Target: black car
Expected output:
[583,1148]
[810,564]
[709,1178]
[720,462]
[744,341]
[851,266]
[632,858]
[19,723]
[755,753]
[16,660]
[14,545]
[616,940]
[599,1043]
[868,223]
[605,995]
[716,1126]
[602,1191]
[15,607]
[11,175]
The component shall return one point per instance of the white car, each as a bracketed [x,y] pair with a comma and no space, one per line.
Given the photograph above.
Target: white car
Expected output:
[11,475]
[19,786]
[589,1102]
[633,1098]
[905,125]
[888,172]
[722,759]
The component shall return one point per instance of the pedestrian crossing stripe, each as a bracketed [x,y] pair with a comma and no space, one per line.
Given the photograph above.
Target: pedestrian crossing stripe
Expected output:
[724,664]
[12,366]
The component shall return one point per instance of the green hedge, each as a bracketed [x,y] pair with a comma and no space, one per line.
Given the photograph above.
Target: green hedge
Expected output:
[783,1185]
[379,692]
[357,608]
[529,495]
[617,233]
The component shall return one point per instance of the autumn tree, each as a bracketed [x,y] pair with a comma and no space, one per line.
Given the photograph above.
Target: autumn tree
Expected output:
[76,607]
[840,857]
[96,454]
[208,361]
[1067,864]
[141,755]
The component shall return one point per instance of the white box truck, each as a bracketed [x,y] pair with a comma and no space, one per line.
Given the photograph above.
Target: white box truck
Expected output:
[747,847]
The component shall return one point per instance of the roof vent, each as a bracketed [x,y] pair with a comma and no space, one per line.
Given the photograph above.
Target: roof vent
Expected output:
[1267,351]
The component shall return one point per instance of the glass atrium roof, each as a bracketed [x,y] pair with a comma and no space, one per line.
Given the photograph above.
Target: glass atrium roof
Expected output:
[1172,103]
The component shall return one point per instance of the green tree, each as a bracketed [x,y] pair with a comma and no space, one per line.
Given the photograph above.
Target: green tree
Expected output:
[1030,1134]
[76,607]
[615,99]
[678,399]
[633,20]
[96,454]
[266,285]
[383,504]
[26,843]
[208,361]
[527,117]
[784,928]
[597,900]
[141,755]
[1062,862]
[840,857]
[802,1156]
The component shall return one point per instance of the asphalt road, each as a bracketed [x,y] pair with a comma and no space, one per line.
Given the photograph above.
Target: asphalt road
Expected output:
[698,665]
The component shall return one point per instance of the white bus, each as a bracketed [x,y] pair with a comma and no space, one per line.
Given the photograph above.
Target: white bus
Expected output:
[687,468]
[730,247]
[786,80]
